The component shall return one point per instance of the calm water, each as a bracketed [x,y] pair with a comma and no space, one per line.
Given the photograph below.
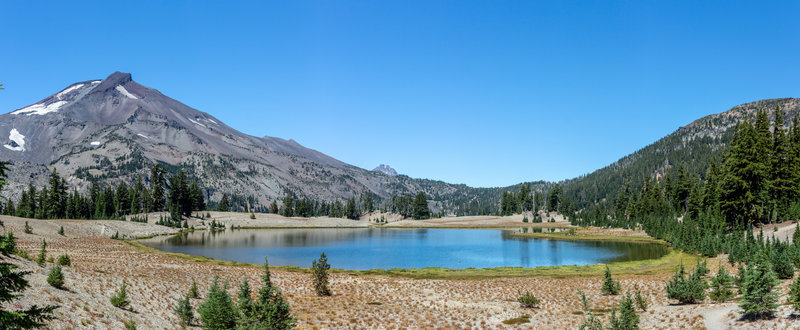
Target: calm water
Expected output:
[386,248]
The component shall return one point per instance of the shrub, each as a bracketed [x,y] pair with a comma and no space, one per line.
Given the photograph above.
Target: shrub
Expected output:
[252,215]
[56,277]
[627,315]
[28,229]
[115,236]
[129,325]
[721,286]
[525,219]
[687,290]
[63,260]
[217,311]
[319,273]
[610,287]
[61,231]
[184,311]
[527,299]
[120,298]
[759,298]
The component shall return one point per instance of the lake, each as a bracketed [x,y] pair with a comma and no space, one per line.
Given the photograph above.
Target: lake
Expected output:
[386,248]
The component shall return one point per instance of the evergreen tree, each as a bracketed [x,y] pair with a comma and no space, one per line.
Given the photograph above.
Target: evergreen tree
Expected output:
[421,210]
[782,265]
[184,311]
[794,295]
[759,298]
[781,185]
[721,286]
[554,199]
[157,195]
[217,311]
[687,290]
[744,177]
[627,319]
[245,304]
[56,277]
[319,275]
[193,290]
[13,283]
[287,209]
[42,253]
[196,196]
[610,287]
[120,297]
[223,205]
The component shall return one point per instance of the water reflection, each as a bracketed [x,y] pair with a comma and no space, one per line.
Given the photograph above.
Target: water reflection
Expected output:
[371,248]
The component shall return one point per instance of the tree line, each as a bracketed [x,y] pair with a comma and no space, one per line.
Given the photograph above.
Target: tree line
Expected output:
[177,194]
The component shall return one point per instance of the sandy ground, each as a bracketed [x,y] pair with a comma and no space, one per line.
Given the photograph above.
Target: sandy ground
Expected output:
[156,281]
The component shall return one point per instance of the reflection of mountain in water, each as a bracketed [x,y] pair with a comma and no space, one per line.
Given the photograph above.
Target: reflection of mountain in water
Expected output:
[292,237]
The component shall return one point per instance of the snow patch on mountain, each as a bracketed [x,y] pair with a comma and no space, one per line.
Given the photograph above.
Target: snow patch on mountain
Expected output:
[125,92]
[17,140]
[40,109]
[95,143]
[63,93]
[142,135]
[195,122]
[385,169]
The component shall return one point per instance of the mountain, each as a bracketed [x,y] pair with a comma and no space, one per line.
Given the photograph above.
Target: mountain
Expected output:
[115,129]
[385,169]
[695,145]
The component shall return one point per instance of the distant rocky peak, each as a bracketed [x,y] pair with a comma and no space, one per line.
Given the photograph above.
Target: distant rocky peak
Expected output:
[385,169]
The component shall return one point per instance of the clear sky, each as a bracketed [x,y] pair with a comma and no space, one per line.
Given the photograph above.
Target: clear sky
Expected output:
[487,93]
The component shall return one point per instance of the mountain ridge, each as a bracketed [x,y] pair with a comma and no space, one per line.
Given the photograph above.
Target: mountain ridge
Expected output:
[115,129]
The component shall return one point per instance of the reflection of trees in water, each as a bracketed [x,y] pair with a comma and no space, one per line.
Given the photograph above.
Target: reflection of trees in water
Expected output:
[627,251]
[291,237]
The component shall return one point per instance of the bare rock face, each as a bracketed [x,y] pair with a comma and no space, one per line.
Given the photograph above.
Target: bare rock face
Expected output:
[115,129]
[385,169]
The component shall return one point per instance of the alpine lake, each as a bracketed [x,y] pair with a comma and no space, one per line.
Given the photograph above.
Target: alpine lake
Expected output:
[392,248]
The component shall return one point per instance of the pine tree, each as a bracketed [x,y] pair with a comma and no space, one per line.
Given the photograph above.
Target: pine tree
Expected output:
[223,204]
[687,290]
[627,315]
[56,278]
[421,210]
[721,286]
[781,185]
[42,253]
[245,304]
[217,311]
[319,273]
[610,287]
[272,311]
[794,295]
[193,290]
[157,196]
[759,298]
[61,231]
[782,265]
[13,283]
[590,322]
[120,297]
[184,311]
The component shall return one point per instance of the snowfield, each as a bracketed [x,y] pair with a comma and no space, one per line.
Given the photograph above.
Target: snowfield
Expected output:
[125,92]
[18,138]
[40,109]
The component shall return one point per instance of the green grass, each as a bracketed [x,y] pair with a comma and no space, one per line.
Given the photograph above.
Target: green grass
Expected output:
[525,318]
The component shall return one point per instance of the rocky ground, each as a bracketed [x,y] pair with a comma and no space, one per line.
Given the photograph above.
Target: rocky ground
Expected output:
[157,280]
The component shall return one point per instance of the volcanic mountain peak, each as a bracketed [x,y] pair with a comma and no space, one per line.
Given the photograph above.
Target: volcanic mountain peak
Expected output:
[385,169]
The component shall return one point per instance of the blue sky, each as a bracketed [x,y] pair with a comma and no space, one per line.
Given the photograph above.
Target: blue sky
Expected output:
[486,93]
